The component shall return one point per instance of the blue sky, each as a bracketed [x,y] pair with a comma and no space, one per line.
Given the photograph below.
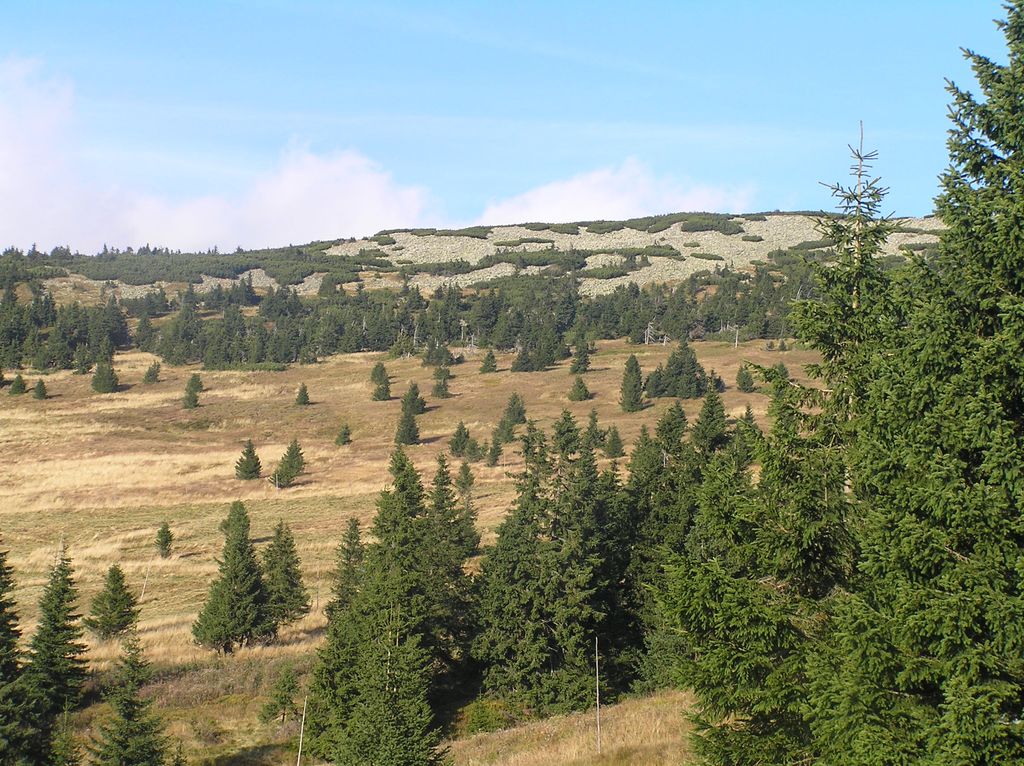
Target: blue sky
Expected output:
[195,124]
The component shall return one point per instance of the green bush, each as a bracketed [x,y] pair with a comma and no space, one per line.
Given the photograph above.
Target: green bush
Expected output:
[707,256]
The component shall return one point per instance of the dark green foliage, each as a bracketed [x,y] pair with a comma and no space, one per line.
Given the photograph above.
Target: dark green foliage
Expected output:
[781,370]
[104,379]
[64,749]
[302,395]
[710,432]
[55,672]
[464,482]
[613,443]
[287,598]
[490,364]
[379,374]
[671,430]
[581,359]
[441,377]
[396,625]
[565,435]
[114,610]
[16,728]
[593,436]
[164,538]
[460,440]
[344,435]
[291,465]
[190,400]
[407,431]
[194,383]
[682,377]
[631,398]
[412,402]
[347,570]
[382,391]
[515,410]
[235,612]
[282,697]
[745,381]
[152,374]
[39,390]
[10,655]
[248,464]
[391,723]
[133,734]
[579,391]
[437,355]
[494,451]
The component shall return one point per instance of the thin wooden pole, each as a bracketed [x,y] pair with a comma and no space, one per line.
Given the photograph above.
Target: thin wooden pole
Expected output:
[597,691]
[145,582]
[302,729]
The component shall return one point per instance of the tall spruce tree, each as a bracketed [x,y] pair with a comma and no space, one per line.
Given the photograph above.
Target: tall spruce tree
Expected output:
[164,538]
[631,398]
[924,658]
[302,395]
[412,401]
[235,612]
[134,734]
[287,598]
[15,723]
[17,386]
[56,669]
[710,432]
[347,573]
[248,464]
[115,609]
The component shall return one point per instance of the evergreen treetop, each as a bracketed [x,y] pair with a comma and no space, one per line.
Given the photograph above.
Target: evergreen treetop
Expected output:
[302,395]
[17,386]
[104,379]
[490,363]
[248,464]
[631,397]
[39,390]
[115,609]
[287,597]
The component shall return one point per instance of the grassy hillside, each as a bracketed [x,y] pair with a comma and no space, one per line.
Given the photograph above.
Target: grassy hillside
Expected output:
[102,471]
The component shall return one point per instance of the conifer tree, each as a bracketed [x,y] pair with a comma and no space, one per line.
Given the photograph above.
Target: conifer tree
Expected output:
[379,374]
[494,451]
[407,431]
[115,609]
[55,672]
[344,435]
[671,430]
[781,370]
[382,391]
[194,383]
[134,734]
[710,430]
[64,749]
[302,395]
[152,374]
[565,435]
[287,598]
[190,399]
[441,377]
[391,722]
[104,379]
[347,570]
[459,441]
[164,538]
[248,464]
[412,401]
[17,386]
[515,410]
[581,359]
[39,390]
[235,612]
[593,436]
[490,363]
[15,724]
[744,380]
[282,697]
[464,482]
[579,391]
[292,464]
[613,446]
[631,397]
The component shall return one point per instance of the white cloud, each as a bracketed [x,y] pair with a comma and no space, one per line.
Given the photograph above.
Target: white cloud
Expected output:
[46,198]
[627,191]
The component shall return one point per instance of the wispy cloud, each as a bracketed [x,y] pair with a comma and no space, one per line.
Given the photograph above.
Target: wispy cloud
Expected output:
[626,191]
[46,197]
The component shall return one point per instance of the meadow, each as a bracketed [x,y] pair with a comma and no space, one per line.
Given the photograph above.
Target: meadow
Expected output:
[101,472]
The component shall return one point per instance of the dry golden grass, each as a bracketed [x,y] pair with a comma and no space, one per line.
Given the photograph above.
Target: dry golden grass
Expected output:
[101,472]
[647,731]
